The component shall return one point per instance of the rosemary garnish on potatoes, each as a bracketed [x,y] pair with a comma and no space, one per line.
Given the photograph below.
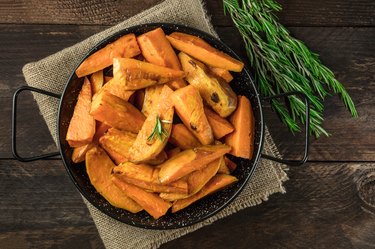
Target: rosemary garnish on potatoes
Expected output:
[282,64]
[158,130]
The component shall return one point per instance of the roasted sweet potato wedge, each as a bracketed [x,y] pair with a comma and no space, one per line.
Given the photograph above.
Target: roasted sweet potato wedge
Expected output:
[116,112]
[189,107]
[183,138]
[218,182]
[151,99]
[157,50]
[99,167]
[230,164]
[190,160]
[222,73]
[223,168]
[172,152]
[173,196]
[242,139]
[220,126]
[81,128]
[201,50]
[116,88]
[97,81]
[125,46]
[146,147]
[152,203]
[135,74]
[217,93]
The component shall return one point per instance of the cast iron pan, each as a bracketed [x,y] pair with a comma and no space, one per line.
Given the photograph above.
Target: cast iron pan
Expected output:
[242,84]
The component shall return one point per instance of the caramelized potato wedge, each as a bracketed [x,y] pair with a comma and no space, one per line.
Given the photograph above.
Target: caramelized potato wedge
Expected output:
[218,182]
[217,93]
[152,203]
[242,139]
[190,160]
[151,98]
[99,167]
[116,112]
[97,81]
[174,151]
[114,87]
[201,50]
[220,126]
[134,74]
[223,168]
[157,50]
[125,46]
[189,107]
[183,138]
[146,147]
[222,73]
[81,128]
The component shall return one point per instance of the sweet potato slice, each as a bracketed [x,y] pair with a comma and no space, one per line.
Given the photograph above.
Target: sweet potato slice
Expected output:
[174,151]
[145,147]
[190,160]
[222,73]
[197,179]
[81,128]
[125,46]
[217,93]
[152,203]
[116,88]
[183,138]
[201,50]
[230,164]
[223,168]
[173,196]
[97,81]
[242,139]
[189,107]
[116,112]
[220,126]
[157,50]
[218,182]
[151,98]
[99,167]
[134,74]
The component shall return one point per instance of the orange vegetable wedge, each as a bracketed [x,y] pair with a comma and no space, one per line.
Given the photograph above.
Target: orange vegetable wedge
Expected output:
[151,98]
[220,126]
[242,139]
[201,50]
[146,147]
[152,203]
[125,46]
[116,88]
[230,164]
[189,107]
[223,168]
[215,91]
[174,151]
[116,112]
[173,196]
[97,81]
[183,138]
[190,160]
[218,182]
[99,167]
[81,128]
[157,50]
[117,144]
[107,78]
[136,74]
[222,73]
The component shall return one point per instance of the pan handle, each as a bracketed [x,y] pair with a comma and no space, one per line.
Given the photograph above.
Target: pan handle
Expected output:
[307,131]
[14,124]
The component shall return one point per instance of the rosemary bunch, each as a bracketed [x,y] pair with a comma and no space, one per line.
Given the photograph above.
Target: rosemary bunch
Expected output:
[283,64]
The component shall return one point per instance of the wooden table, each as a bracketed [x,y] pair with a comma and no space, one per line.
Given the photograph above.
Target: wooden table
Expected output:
[330,202]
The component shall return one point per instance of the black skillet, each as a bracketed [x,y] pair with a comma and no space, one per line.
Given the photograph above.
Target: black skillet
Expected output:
[242,84]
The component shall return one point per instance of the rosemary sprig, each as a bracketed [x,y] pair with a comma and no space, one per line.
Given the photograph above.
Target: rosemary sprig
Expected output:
[283,63]
[158,130]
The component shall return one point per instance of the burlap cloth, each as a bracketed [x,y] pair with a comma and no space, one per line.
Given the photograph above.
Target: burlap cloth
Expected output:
[52,73]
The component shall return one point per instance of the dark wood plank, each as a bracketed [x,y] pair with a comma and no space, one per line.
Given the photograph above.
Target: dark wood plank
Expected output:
[326,206]
[41,208]
[352,48]
[323,208]
[296,13]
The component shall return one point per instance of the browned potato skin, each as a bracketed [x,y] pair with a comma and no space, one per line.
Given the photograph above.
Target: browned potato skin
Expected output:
[215,91]
[99,168]
[190,160]
[217,183]
[142,149]
[189,107]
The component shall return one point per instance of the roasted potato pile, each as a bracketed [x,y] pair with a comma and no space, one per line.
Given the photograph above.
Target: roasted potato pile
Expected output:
[138,154]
